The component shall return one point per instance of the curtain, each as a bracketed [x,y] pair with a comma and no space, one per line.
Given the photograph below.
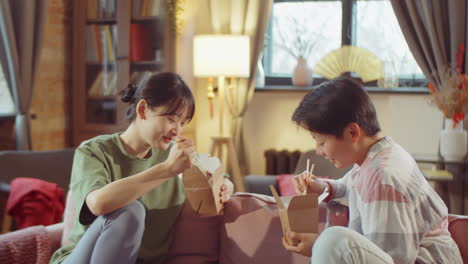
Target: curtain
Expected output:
[21,30]
[244,17]
[434,30]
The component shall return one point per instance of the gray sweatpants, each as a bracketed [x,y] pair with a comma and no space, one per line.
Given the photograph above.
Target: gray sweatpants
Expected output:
[338,245]
[112,238]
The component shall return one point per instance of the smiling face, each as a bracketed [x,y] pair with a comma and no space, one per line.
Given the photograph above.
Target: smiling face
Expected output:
[158,129]
[342,151]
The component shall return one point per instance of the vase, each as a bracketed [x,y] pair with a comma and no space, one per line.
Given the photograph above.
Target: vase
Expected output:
[453,141]
[390,79]
[302,74]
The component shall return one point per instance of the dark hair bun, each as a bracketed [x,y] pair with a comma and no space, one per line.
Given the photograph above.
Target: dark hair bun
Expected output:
[128,94]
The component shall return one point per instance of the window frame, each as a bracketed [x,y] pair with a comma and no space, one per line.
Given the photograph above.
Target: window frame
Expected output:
[347,38]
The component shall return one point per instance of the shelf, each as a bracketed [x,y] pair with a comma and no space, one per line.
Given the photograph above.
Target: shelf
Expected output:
[144,19]
[146,63]
[96,64]
[107,33]
[101,21]
[102,97]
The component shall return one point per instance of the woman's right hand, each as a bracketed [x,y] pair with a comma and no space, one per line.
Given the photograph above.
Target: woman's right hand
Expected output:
[306,183]
[181,155]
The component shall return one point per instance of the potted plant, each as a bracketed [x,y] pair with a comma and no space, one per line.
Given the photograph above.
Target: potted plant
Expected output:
[451,97]
[298,43]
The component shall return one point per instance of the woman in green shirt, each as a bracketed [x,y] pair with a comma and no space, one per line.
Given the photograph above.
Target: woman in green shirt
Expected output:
[125,185]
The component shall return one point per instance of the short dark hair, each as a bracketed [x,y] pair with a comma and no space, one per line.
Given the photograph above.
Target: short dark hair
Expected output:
[160,89]
[332,105]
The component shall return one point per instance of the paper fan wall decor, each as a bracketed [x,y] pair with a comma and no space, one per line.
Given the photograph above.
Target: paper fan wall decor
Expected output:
[350,59]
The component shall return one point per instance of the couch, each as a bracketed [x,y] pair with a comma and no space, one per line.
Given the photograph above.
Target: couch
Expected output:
[248,231]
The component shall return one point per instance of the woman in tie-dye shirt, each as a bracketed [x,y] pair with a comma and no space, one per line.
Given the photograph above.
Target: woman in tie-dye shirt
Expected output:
[394,215]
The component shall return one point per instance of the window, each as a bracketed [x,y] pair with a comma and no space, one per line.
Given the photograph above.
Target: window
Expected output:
[7,107]
[328,24]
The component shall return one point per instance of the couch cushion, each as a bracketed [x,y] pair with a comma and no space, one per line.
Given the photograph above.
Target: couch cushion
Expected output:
[252,232]
[457,226]
[196,238]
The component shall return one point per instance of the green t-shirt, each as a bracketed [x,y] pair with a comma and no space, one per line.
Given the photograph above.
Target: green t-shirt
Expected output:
[102,160]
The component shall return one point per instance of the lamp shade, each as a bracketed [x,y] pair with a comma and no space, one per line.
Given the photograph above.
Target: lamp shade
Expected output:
[221,55]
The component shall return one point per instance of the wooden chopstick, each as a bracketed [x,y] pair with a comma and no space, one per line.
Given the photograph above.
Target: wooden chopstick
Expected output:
[195,160]
[309,172]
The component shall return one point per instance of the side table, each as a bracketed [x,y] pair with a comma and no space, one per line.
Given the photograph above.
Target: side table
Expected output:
[454,191]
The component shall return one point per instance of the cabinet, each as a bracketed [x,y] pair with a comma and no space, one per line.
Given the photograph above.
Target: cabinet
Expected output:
[114,42]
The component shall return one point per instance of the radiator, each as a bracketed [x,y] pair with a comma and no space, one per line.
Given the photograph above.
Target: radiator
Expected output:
[281,161]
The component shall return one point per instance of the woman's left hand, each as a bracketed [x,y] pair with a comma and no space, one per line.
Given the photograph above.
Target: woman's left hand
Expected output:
[306,242]
[226,190]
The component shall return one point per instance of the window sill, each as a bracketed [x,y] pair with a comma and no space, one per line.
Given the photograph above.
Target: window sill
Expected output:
[7,116]
[290,88]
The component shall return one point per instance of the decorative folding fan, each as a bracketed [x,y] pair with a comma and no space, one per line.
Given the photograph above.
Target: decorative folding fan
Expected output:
[350,59]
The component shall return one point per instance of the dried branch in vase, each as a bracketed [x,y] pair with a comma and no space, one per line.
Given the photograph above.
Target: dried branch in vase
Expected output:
[297,42]
[451,96]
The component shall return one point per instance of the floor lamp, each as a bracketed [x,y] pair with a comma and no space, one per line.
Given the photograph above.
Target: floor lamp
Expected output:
[221,56]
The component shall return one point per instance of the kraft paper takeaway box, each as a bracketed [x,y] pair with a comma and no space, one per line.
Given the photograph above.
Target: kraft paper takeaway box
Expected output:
[202,183]
[297,213]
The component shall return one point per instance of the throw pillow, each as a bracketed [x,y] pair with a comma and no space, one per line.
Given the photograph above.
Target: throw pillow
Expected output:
[285,185]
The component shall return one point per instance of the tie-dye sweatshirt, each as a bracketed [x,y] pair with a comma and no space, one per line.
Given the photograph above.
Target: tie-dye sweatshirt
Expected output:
[392,204]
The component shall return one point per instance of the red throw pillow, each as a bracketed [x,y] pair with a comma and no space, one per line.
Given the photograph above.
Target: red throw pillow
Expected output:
[35,202]
[285,185]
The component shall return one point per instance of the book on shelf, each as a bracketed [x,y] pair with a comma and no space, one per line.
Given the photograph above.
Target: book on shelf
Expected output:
[140,42]
[139,77]
[101,9]
[437,175]
[142,8]
[109,46]
[101,43]
[105,84]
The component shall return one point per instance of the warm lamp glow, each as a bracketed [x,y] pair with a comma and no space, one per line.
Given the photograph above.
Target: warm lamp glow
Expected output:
[221,55]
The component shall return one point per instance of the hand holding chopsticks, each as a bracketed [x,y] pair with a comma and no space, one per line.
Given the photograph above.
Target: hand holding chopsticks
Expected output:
[307,176]
[307,183]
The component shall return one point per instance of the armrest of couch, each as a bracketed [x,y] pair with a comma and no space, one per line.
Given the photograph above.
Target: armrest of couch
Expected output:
[260,183]
[458,224]
[31,245]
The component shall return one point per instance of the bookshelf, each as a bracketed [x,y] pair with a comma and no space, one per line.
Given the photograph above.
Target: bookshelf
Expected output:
[114,42]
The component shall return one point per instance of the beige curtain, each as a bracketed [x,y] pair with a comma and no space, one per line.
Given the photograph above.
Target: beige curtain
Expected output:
[21,28]
[434,30]
[244,17]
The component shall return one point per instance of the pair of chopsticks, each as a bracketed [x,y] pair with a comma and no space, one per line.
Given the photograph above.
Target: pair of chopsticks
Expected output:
[309,173]
[200,164]
[196,161]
